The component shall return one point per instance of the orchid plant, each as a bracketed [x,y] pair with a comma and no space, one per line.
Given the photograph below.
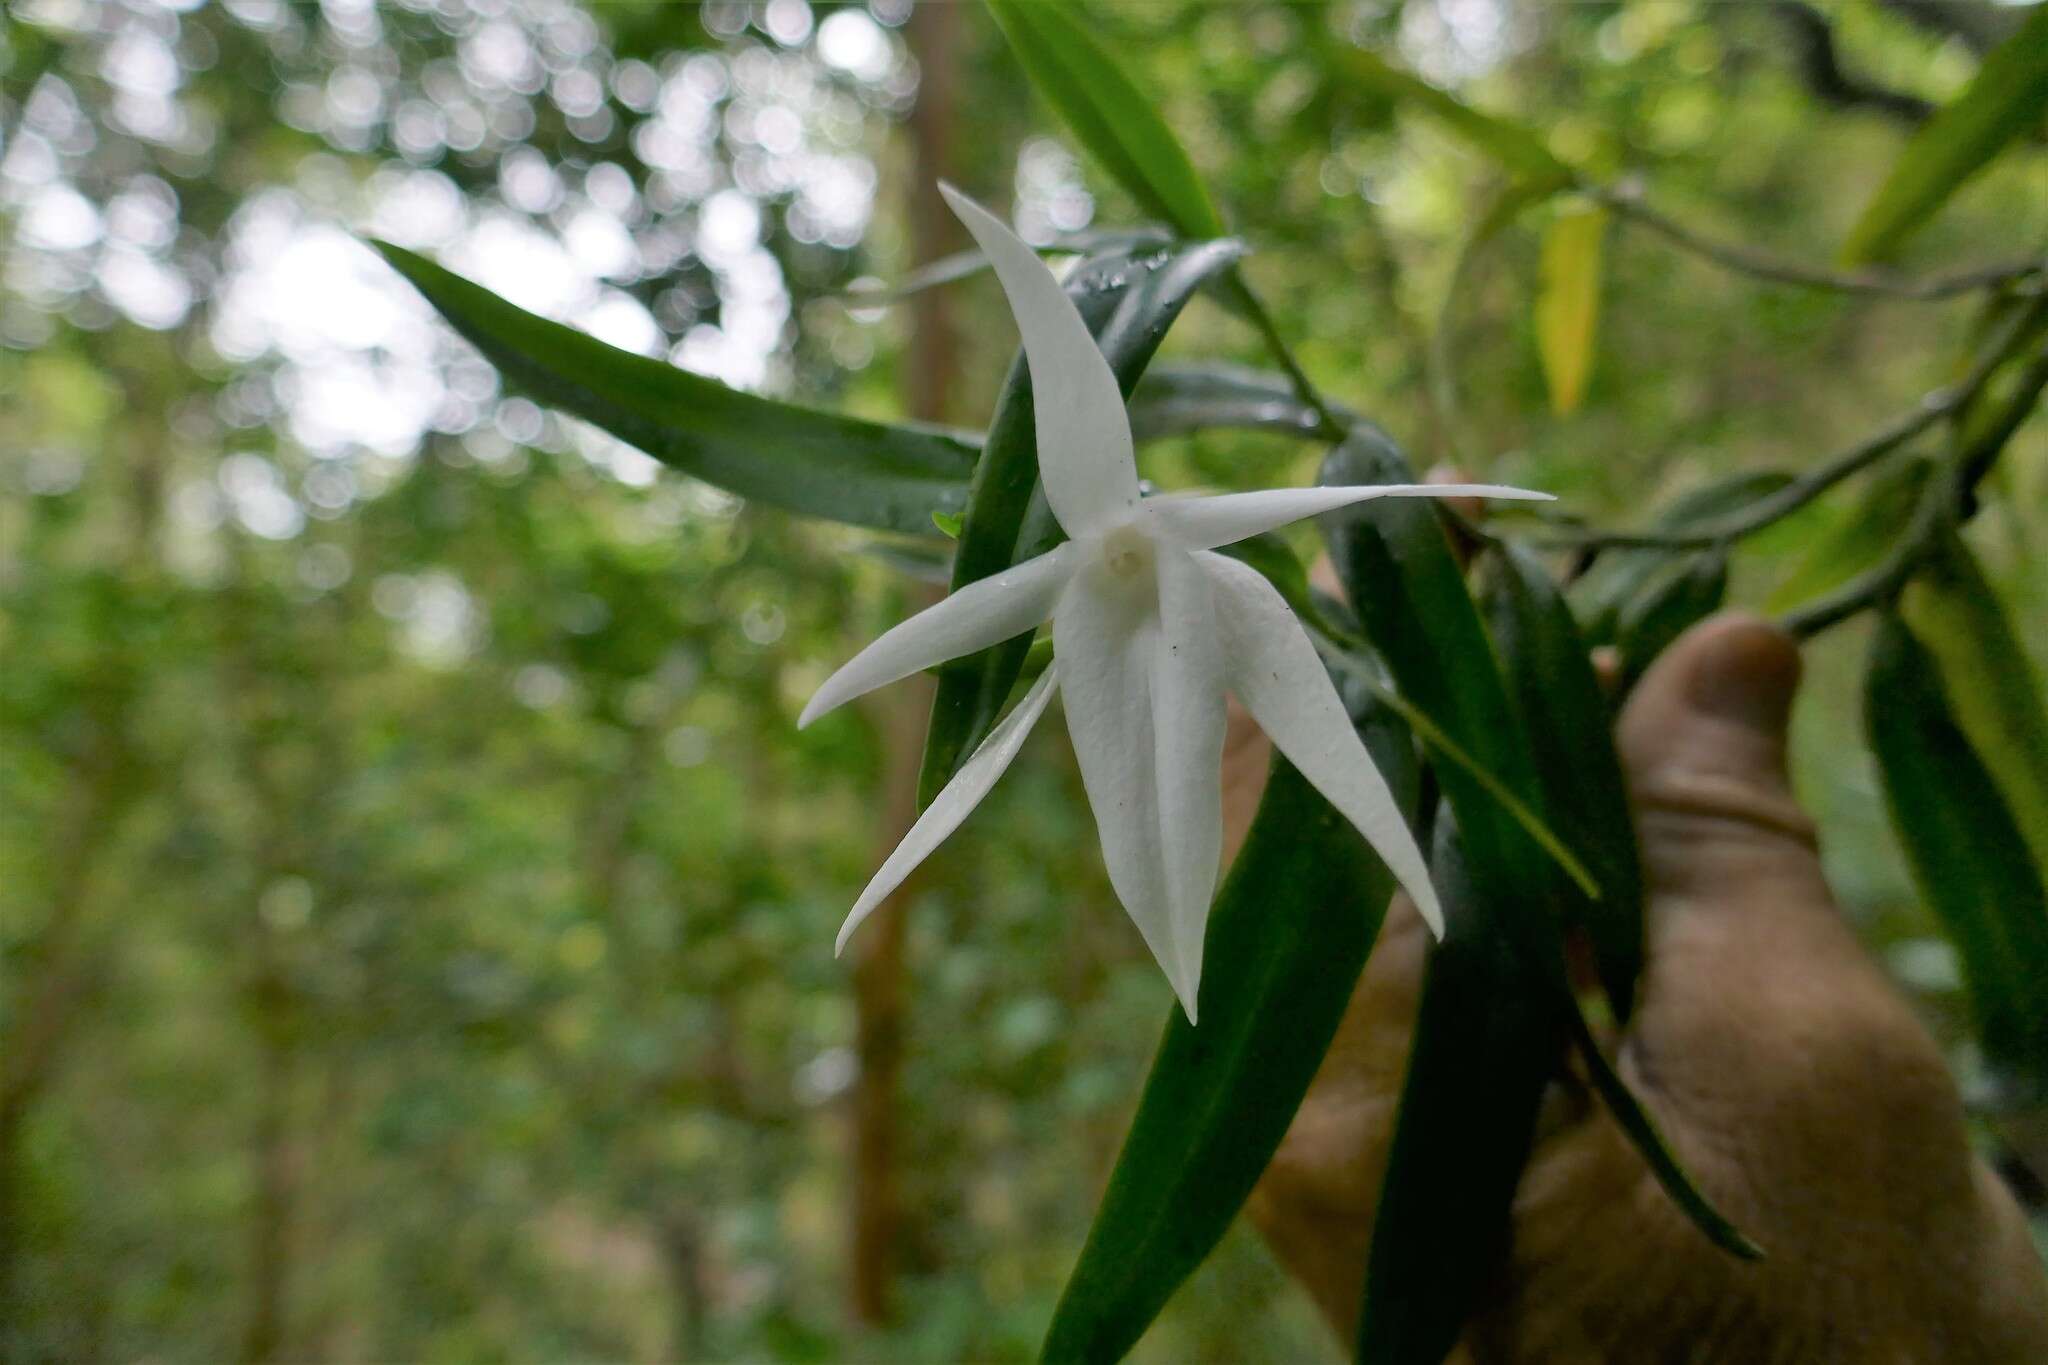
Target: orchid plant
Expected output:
[1491,724]
[1150,628]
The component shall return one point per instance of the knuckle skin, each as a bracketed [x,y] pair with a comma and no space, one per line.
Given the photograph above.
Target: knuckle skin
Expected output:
[1788,1074]
[1811,1106]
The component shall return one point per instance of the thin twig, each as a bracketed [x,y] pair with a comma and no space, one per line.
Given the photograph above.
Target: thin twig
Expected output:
[1818,480]
[1627,200]
[1327,426]
[1943,507]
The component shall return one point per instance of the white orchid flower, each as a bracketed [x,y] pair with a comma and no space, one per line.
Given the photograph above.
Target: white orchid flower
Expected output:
[1150,628]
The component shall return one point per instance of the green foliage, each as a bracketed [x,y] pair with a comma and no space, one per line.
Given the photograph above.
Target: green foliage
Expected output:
[1966,850]
[1681,596]
[1488,1031]
[1295,920]
[1110,115]
[1993,688]
[893,478]
[414,900]
[2007,97]
[1515,147]
[1619,581]
[1549,672]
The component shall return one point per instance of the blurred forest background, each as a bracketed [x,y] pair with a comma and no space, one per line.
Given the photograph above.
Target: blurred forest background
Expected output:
[416,900]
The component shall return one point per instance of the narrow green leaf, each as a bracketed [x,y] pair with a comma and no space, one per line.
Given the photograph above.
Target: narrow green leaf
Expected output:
[1490,1028]
[1550,674]
[1113,119]
[1966,851]
[1645,1137]
[1128,302]
[1686,593]
[2008,96]
[1287,938]
[1987,408]
[1439,744]
[1174,400]
[1995,688]
[841,468]
[1513,145]
[1486,1044]
[1568,303]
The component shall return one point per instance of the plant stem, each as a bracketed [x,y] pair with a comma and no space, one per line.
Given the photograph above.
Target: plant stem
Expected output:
[1944,506]
[1627,201]
[1804,489]
[1328,428]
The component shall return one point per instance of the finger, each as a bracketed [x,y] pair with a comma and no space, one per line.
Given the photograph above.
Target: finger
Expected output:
[1787,1074]
[1764,1022]
[1702,743]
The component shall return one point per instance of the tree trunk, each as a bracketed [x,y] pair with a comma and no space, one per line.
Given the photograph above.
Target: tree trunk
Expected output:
[270,1221]
[877,1214]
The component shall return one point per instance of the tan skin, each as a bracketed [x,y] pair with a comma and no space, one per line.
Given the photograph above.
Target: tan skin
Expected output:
[1788,1073]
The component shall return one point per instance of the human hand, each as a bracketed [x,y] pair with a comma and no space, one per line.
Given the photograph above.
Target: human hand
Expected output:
[1785,1070]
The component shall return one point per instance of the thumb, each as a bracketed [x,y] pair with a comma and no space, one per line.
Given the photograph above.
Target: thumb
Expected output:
[1702,743]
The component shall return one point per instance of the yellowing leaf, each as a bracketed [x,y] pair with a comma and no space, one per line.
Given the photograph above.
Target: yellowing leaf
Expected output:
[1568,303]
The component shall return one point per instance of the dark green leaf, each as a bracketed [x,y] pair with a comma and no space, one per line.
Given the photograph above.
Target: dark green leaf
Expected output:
[1643,1134]
[1490,1028]
[1486,1044]
[1997,694]
[1550,675]
[1966,852]
[1128,303]
[1268,552]
[841,468]
[1113,119]
[1173,400]
[1287,939]
[2007,97]
[1686,593]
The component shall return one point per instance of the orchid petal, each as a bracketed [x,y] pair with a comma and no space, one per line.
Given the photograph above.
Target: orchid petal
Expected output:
[1085,456]
[983,613]
[1275,672]
[1196,522]
[953,804]
[1106,637]
[1187,726]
